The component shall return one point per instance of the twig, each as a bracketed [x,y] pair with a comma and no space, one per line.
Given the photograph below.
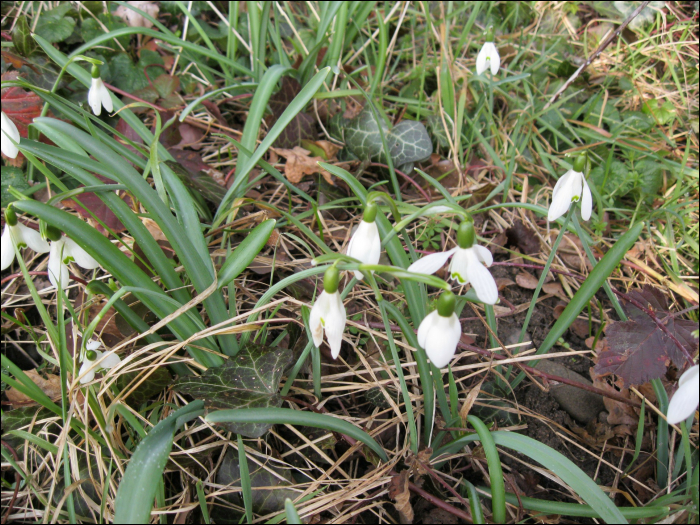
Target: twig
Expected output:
[408,179]
[605,43]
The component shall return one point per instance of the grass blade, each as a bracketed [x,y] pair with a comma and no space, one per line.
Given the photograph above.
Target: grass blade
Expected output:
[137,489]
[287,416]
[245,252]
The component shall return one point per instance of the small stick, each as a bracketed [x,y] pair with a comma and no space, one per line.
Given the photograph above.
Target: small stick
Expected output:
[605,43]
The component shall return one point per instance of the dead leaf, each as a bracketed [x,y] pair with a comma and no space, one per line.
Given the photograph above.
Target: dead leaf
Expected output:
[469,402]
[580,328]
[91,204]
[399,492]
[526,280]
[555,289]
[134,19]
[523,238]
[299,164]
[558,310]
[503,282]
[51,386]
[328,148]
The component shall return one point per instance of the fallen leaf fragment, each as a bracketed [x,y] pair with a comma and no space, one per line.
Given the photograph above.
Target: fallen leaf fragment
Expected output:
[399,492]
[526,280]
[299,164]
[134,19]
[51,386]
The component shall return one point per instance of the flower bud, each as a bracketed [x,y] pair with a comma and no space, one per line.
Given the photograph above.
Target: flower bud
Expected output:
[331,279]
[53,233]
[370,213]
[10,216]
[465,234]
[580,163]
[91,355]
[95,71]
[446,304]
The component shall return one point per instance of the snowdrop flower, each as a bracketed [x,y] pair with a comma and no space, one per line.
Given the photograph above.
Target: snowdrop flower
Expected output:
[685,400]
[328,314]
[98,94]
[365,245]
[9,131]
[93,361]
[466,266]
[571,187]
[17,234]
[488,57]
[63,250]
[440,331]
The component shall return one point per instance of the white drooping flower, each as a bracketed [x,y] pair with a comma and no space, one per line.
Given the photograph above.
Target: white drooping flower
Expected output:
[488,57]
[440,331]
[98,94]
[365,244]
[685,400]
[101,360]
[466,267]
[9,131]
[571,187]
[63,250]
[328,314]
[19,235]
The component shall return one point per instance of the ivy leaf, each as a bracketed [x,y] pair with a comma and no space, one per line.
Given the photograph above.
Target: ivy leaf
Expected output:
[54,25]
[91,28]
[408,141]
[18,419]
[268,483]
[301,127]
[22,39]
[249,380]
[154,384]
[14,177]
[639,350]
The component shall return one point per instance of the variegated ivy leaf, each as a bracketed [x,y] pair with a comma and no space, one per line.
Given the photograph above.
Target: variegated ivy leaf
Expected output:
[251,379]
[408,141]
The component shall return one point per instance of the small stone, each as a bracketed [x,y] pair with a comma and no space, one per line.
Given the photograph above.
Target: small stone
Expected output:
[581,405]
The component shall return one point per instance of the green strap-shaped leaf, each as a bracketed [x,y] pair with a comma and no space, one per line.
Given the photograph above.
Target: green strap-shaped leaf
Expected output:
[563,467]
[273,416]
[138,487]
[245,252]
[590,286]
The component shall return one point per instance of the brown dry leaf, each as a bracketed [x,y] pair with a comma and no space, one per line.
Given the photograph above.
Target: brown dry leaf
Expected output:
[154,229]
[558,310]
[51,386]
[469,402]
[503,282]
[555,289]
[526,280]
[134,19]
[299,164]
[399,492]
[580,328]
[328,148]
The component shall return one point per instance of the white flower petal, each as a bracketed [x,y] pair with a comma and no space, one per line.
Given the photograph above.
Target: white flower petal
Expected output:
[561,196]
[424,328]
[685,400]
[31,238]
[7,248]
[58,271]
[106,97]
[334,323]
[94,99]
[443,336]
[586,201]
[483,254]
[110,360]
[488,57]
[691,374]
[315,323]
[92,345]
[458,266]
[482,280]
[80,256]
[431,263]
[482,60]
[87,370]
[365,245]
[9,131]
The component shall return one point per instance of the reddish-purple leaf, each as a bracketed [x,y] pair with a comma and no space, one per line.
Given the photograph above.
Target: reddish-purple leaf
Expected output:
[640,349]
[92,207]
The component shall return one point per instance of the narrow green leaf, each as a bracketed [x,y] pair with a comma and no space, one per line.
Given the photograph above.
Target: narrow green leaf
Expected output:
[498,488]
[246,487]
[291,512]
[272,416]
[245,252]
[563,467]
[137,489]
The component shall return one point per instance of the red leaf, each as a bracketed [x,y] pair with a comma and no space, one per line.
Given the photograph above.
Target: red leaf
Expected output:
[639,350]
[19,105]
[91,206]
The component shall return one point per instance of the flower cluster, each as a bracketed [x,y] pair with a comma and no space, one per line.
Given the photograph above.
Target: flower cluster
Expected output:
[440,331]
[62,249]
